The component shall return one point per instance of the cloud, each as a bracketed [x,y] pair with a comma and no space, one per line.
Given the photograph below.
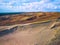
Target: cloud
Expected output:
[34,6]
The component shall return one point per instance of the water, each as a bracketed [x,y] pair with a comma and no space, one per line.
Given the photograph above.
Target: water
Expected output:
[1,14]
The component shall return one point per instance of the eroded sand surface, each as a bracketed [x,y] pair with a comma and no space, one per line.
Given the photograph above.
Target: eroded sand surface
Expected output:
[37,34]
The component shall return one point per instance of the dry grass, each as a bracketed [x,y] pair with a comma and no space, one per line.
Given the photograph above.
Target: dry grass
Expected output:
[56,40]
[28,18]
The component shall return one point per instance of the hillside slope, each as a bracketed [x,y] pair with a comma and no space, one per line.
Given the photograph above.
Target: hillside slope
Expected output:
[28,18]
[35,34]
[25,29]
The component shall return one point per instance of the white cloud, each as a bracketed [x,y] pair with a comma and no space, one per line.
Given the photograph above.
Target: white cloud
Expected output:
[32,6]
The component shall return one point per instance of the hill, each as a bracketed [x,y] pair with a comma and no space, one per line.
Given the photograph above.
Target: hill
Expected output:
[29,17]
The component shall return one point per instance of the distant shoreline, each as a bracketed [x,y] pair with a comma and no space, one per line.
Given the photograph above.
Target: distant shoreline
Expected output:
[11,13]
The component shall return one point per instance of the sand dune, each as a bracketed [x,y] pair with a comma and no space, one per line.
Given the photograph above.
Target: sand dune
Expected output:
[37,31]
[34,34]
[27,18]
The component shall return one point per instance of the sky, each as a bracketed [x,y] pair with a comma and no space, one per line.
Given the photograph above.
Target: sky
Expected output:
[29,6]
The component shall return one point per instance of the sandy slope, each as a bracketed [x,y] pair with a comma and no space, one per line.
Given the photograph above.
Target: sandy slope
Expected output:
[37,34]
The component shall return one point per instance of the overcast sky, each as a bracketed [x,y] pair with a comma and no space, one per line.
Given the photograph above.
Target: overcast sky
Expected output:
[29,6]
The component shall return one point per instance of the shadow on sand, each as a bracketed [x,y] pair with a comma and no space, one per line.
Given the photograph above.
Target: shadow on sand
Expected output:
[7,31]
